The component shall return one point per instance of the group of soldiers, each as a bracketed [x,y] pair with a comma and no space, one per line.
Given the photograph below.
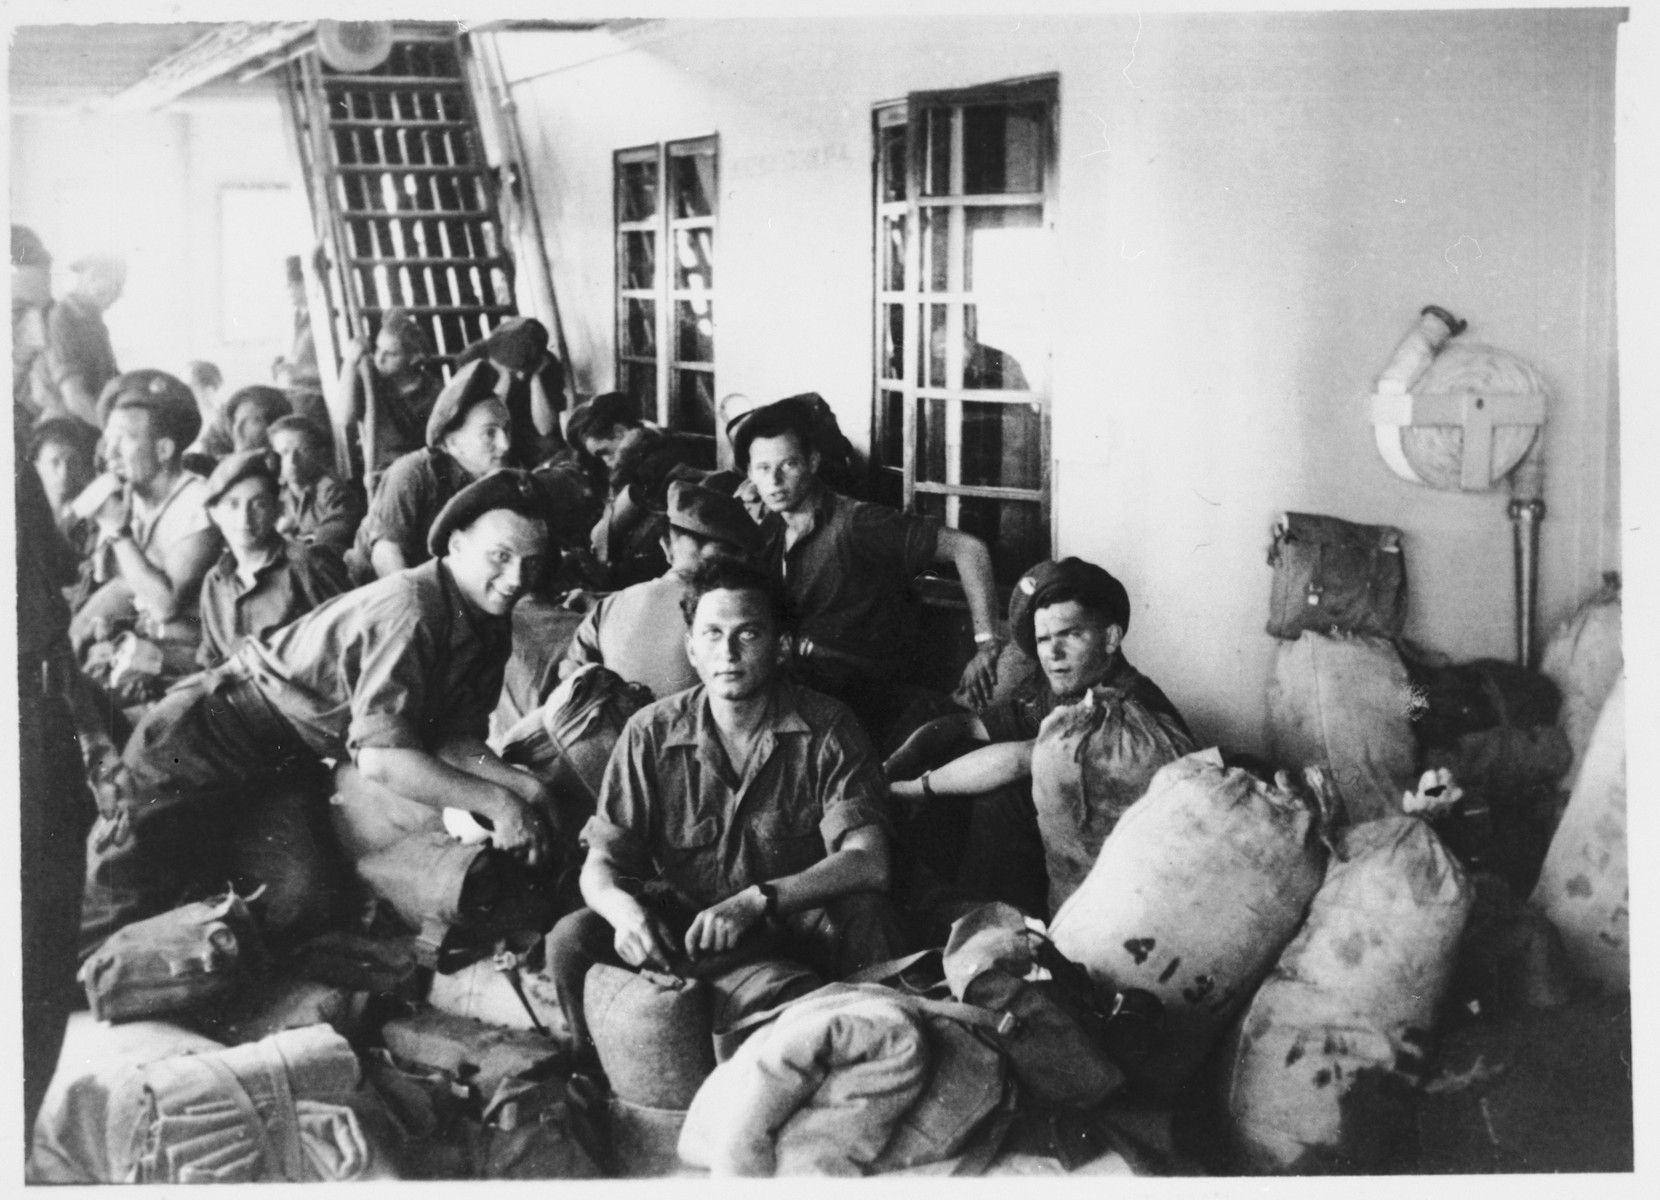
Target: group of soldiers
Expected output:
[745,812]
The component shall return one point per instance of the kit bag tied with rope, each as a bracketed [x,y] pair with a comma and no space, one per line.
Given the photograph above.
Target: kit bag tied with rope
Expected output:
[568,740]
[1091,761]
[1585,885]
[1321,1073]
[1332,574]
[1344,703]
[1192,898]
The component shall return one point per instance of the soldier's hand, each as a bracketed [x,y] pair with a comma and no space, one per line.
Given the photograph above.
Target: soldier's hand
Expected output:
[980,676]
[522,830]
[643,941]
[722,926]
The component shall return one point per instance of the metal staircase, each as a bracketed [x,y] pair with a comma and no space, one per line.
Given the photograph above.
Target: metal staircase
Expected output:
[403,201]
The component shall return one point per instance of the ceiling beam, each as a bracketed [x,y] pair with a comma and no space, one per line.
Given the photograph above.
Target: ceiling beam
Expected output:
[209,57]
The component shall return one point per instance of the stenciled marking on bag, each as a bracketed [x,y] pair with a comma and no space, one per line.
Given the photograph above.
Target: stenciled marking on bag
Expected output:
[1164,975]
[1140,948]
[1201,987]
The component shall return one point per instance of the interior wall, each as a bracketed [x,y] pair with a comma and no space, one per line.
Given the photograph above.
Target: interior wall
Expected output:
[1252,209]
[149,186]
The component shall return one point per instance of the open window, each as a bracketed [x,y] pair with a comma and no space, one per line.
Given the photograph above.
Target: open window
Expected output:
[666,198]
[964,280]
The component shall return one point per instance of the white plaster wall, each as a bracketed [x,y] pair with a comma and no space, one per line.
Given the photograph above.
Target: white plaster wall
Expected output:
[148,186]
[1251,210]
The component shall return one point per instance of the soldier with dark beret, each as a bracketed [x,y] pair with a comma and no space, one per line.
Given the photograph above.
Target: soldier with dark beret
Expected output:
[637,632]
[535,391]
[1071,616]
[263,580]
[398,678]
[468,435]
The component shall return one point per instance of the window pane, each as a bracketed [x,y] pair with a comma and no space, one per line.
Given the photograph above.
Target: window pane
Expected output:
[1014,530]
[692,183]
[995,445]
[1002,248]
[1002,148]
[893,254]
[986,365]
[892,162]
[640,328]
[936,171]
[893,342]
[639,260]
[637,190]
[890,430]
[694,252]
[936,249]
[694,402]
[935,374]
[694,331]
[640,381]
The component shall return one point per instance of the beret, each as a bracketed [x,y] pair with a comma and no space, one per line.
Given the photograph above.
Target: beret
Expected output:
[518,344]
[161,393]
[792,412]
[474,382]
[1095,587]
[234,468]
[505,487]
[274,401]
[711,514]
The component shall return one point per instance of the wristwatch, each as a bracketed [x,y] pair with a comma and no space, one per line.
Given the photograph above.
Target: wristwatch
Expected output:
[769,894]
[989,638]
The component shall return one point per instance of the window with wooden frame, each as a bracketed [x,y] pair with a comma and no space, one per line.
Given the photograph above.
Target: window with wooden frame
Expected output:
[965,185]
[666,200]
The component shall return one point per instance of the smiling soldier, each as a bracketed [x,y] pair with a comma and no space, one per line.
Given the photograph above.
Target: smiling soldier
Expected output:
[398,677]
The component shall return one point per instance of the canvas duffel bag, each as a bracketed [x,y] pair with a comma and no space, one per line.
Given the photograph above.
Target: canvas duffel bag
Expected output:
[172,961]
[1334,574]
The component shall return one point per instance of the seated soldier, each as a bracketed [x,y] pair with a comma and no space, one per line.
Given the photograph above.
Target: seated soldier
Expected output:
[249,413]
[635,459]
[848,565]
[263,580]
[316,507]
[536,389]
[404,388]
[468,436]
[1071,615]
[155,541]
[61,451]
[397,677]
[639,631]
[751,805]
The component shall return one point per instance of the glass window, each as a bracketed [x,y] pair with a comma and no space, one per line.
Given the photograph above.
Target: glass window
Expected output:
[666,197]
[963,188]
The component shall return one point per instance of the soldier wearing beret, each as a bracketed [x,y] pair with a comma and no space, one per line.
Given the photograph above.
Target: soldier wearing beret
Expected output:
[155,541]
[398,677]
[535,391]
[263,580]
[637,632]
[468,435]
[1071,616]
[249,413]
